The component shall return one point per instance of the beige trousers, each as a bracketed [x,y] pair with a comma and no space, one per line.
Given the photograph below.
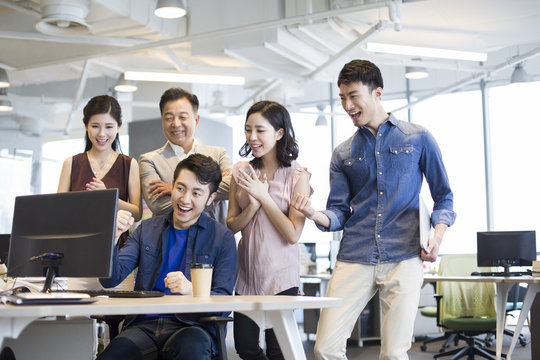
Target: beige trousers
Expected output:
[399,293]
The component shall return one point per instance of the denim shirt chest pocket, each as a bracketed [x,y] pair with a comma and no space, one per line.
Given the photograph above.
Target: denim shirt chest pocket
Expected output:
[151,253]
[356,166]
[402,157]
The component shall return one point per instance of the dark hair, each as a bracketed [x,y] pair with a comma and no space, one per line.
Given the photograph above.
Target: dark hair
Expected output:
[176,94]
[279,118]
[362,71]
[204,167]
[102,104]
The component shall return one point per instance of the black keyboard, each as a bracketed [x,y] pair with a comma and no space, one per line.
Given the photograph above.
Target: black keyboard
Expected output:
[120,293]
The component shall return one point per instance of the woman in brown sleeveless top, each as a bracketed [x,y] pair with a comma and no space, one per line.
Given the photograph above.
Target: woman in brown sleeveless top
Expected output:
[101,166]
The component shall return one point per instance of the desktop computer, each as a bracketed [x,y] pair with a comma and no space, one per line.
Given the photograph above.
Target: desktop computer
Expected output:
[66,234]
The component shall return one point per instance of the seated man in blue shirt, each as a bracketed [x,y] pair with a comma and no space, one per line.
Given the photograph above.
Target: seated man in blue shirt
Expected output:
[163,248]
[375,179]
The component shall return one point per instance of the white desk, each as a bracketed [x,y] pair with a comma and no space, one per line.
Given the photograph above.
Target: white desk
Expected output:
[533,287]
[266,311]
[503,285]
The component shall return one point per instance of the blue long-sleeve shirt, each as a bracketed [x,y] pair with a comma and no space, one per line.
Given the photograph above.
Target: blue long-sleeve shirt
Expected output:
[207,242]
[374,187]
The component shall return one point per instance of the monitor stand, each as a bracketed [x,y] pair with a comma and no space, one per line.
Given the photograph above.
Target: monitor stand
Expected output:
[51,263]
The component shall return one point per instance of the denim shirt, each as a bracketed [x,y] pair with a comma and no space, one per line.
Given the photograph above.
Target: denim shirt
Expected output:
[208,242]
[374,187]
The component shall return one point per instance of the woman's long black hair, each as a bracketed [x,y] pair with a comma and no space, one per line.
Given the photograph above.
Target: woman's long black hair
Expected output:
[102,104]
[279,118]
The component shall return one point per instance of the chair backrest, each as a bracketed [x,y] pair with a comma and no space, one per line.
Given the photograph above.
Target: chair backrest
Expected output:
[464,299]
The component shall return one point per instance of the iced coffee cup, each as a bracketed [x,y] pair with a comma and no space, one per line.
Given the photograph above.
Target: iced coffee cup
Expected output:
[201,279]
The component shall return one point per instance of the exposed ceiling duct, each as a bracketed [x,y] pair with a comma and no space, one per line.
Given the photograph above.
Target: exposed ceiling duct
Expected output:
[63,17]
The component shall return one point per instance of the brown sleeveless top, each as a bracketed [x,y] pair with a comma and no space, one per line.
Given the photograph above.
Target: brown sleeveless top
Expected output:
[117,177]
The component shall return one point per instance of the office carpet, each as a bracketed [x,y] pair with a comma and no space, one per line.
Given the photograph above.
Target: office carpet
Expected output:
[371,352]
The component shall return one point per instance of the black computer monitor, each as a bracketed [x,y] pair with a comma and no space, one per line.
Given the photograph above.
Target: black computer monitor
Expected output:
[506,248]
[66,234]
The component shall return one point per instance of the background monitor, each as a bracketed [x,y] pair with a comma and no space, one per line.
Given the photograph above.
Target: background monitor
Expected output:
[506,248]
[71,232]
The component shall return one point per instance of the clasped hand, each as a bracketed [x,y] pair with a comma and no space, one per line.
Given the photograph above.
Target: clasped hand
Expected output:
[256,186]
[95,184]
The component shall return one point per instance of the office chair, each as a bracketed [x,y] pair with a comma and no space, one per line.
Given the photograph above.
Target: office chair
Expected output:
[448,336]
[467,308]
[432,311]
[219,322]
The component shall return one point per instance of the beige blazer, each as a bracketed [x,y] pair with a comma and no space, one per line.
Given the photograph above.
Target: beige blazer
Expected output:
[160,164]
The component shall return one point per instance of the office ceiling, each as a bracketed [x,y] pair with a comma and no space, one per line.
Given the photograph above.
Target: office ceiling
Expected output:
[288,50]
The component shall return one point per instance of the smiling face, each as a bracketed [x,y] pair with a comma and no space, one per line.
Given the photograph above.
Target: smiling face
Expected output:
[102,130]
[189,198]
[179,122]
[261,135]
[362,105]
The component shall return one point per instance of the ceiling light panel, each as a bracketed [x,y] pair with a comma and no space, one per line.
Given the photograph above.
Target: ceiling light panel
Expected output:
[425,52]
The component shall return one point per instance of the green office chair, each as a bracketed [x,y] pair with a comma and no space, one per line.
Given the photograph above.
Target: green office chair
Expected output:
[467,308]
[431,311]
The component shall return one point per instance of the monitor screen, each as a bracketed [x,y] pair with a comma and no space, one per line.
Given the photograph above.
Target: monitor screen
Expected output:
[506,248]
[77,225]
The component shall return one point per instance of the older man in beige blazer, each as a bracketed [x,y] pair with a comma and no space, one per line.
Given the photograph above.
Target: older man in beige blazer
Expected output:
[179,119]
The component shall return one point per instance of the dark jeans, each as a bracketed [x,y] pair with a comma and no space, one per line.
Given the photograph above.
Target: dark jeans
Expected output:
[160,338]
[246,337]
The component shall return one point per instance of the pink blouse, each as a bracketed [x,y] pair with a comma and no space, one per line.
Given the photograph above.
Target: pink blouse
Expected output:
[267,263]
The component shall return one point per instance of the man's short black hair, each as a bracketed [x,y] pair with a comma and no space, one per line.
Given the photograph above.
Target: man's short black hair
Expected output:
[205,169]
[363,71]
[174,94]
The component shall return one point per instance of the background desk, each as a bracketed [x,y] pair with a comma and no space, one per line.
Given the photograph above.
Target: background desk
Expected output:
[266,311]
[503,285]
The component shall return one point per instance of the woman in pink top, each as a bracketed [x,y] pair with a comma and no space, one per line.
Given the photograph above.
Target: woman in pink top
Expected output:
[259,207]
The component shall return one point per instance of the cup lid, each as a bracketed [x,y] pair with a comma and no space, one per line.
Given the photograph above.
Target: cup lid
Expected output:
[201,266]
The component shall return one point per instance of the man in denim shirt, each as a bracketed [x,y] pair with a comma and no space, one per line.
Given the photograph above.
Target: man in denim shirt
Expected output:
[375,179]
[163,248]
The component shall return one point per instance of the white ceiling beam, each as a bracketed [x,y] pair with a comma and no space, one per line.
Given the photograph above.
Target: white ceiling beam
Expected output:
[301,19]
[238,56]
[24,10]
[258,93]
[178,64]
[289,55]
[375,29]
[90,40]
[78,95]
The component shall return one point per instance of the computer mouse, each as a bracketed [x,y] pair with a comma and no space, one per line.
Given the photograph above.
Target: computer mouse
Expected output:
[475,273]
[20,289]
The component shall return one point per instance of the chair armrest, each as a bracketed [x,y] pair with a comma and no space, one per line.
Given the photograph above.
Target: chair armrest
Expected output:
[220,324]
[438,299]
